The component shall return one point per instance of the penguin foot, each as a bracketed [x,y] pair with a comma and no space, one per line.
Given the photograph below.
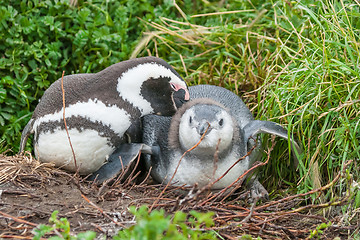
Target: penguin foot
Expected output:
[122,161]
[257,191]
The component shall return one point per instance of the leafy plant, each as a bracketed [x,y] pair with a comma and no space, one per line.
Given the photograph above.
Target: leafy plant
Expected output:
[155,225]
[319,230]
[152,226]
[62,229]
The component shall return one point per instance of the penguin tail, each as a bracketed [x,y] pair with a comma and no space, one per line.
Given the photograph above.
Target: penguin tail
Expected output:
[28,130]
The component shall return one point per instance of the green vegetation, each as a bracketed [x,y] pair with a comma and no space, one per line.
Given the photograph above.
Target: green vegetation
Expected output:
[62,229]
[155,225]
[293,62]
[319,230]
[152,226]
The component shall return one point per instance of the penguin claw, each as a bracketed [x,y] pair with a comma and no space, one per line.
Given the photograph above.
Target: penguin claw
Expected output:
[257,191]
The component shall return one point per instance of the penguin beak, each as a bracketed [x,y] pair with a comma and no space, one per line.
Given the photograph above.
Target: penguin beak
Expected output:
[181,94]
[204,128]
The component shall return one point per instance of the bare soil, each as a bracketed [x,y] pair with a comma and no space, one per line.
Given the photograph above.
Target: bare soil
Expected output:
[31,191]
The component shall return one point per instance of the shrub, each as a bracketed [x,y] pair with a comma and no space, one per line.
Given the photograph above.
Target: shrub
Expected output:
[41,39]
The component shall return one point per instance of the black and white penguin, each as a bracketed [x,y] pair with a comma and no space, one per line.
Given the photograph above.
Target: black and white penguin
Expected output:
[102,110]
[229,131]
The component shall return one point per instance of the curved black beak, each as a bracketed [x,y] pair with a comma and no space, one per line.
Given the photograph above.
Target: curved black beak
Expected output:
[181,96]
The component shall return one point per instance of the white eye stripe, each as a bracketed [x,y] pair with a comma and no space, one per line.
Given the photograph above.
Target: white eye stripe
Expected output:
[130,82]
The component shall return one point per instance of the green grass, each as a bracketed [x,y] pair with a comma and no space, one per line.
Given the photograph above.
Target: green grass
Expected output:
[293,62]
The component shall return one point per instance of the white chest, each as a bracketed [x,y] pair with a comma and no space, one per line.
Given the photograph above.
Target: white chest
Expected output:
[204,172]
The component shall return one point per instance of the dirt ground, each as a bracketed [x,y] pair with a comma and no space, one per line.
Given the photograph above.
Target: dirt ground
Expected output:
[31,191]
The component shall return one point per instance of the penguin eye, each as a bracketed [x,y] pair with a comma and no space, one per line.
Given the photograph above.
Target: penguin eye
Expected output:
[221,122]
[173,86]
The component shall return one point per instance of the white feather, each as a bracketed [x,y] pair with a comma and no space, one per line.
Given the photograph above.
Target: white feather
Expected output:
[89,148]
[199,168]
[201,172]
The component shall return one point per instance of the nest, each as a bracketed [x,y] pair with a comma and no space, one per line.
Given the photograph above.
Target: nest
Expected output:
[104,208]
[17,166]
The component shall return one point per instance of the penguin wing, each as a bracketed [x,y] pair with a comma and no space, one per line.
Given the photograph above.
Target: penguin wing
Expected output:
[123,157]
[28,130]
[255,127]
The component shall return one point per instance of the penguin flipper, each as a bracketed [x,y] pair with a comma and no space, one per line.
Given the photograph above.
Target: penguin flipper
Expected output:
[28,130]
[255,127]
[124,156]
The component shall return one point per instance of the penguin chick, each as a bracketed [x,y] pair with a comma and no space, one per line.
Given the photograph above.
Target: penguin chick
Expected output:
[231,129]
[209,120]
[99,109]
[203,117]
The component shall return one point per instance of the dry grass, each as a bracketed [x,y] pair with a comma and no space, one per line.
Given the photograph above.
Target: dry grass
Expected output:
[289,217]
[12,167]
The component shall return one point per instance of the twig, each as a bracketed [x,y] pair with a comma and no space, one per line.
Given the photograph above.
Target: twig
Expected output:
[131,177]
[216,159]
[66,128]
[17,237]
[247,218]
[147,177]
[102,211]
[237,161]
[307,193]
[214,197]
[17,219]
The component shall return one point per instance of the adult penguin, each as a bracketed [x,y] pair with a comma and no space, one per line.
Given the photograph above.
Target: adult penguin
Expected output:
[102,112]
[227,131]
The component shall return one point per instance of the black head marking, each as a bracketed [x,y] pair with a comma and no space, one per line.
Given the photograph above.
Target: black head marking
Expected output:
[159,93]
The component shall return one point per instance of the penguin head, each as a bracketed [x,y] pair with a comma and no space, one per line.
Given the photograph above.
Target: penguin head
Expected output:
[153,86]
[204,118]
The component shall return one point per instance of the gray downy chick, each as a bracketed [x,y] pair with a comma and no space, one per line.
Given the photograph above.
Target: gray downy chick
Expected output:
[231,130]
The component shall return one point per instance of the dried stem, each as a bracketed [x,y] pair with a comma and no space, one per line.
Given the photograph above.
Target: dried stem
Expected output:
[66,128]
[102,211]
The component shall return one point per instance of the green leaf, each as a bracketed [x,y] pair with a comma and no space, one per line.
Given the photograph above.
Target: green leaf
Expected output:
[89,235]
[41,230]
[2,95]
[81,39]
[357,199]
[5,115]
[47,62]
[83,15]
